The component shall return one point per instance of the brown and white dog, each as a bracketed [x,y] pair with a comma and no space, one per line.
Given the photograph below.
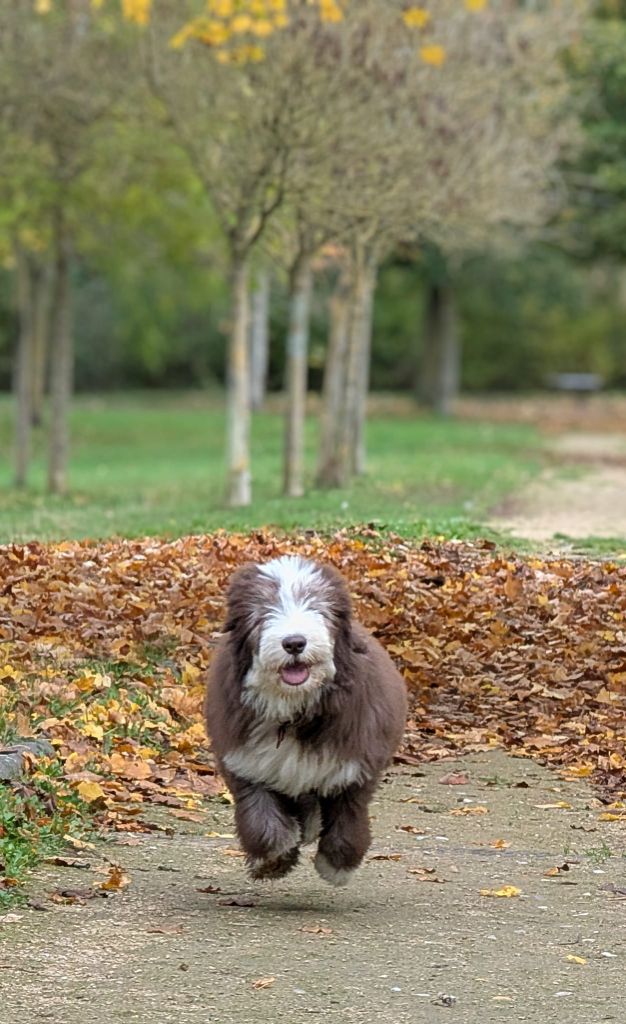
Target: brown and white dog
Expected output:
[304,710]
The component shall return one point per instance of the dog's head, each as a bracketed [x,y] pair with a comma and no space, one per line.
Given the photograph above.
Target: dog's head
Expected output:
[289,621]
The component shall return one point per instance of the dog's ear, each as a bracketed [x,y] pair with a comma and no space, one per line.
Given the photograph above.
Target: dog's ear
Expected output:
[341,605]
[240,587]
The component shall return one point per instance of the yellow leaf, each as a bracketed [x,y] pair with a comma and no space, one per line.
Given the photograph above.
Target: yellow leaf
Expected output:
[180,38]
[92,729]
[575,959]
[609,816]
[223,8]
[8,672]
[330,11]
[43,6]
[559,805]
[242,23]
[433,54]
[506,892]
[416,17]
[191,673]
[90,791]
[582,771]
[75,762]
[262,27]
[78,844]
[137,11]
[192,737]
[475,5]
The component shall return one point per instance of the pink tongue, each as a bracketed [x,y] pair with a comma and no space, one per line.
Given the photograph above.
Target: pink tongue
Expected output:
[294,675]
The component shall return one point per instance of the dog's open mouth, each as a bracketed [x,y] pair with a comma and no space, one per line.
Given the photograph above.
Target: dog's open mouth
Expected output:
[294,675]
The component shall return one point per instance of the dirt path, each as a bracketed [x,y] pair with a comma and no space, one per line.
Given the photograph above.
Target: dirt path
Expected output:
[583,494]
[392,948]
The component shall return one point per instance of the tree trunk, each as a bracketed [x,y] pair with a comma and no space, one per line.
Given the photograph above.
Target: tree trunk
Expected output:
[61,365]
[259,338]
[300,294]
[41,330]
[334,382]
[366,325]
[23,370]
[238,398]
[441,358]
[356,369]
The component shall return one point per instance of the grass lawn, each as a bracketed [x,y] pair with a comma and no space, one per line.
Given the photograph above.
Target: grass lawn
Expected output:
[151,464]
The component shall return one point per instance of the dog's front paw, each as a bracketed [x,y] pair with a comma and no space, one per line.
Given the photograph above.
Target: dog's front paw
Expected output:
[263,868]
[333,875]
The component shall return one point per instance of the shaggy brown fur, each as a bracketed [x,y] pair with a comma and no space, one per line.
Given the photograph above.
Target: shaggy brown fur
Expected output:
[359,716]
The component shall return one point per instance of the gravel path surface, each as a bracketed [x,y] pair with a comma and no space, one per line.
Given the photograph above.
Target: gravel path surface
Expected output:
[583,494]
[411,940]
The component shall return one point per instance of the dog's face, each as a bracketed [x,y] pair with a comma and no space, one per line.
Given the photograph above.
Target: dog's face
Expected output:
[286,618]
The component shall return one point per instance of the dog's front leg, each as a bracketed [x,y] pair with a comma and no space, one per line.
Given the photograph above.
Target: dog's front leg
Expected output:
[345,835]
[267,827]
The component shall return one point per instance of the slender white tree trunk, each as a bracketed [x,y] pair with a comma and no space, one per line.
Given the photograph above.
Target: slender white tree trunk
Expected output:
[334,382]
[259,337]
[238,397]
[23,370]
[441,359]
[301,292]
[61,366]
[366,328]
[358,351]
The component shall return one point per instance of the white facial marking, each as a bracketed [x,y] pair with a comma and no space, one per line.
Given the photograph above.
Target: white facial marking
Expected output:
[290,768]
[290,570]
[300,587]
[335,876]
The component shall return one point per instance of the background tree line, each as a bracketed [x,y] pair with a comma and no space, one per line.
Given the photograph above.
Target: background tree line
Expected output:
[222,200]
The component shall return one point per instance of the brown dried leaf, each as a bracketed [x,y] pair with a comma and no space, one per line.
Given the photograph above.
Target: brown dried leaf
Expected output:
[116,880]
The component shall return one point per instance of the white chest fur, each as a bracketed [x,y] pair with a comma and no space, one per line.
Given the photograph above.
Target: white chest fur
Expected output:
[288,766]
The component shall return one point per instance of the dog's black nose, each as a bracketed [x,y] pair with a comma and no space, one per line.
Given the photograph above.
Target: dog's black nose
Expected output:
[294,644]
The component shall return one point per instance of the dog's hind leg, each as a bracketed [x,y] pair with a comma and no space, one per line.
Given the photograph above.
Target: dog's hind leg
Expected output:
[268,829]
[346,834]
[270,868]
[310,818]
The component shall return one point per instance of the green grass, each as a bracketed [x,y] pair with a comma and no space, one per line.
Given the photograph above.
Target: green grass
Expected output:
[146,465]
[36,815]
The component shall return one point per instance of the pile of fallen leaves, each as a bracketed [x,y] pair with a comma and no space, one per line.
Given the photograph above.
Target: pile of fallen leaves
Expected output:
[103,648]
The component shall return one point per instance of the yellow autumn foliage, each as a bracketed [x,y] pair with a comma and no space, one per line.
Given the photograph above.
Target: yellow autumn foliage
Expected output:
[433,54]
[330,11]
[416,17]
[137,11]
